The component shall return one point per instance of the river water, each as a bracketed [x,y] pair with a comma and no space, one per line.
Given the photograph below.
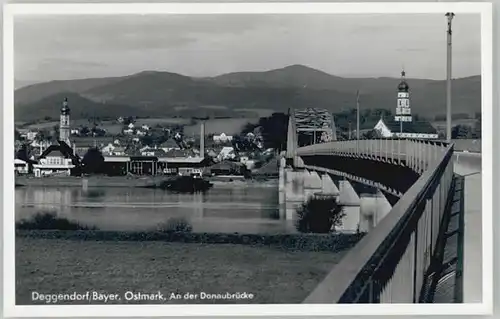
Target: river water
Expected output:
[230,207]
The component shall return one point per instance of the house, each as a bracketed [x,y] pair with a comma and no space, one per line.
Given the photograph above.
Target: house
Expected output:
[212,154]
[30,136]
[27,134]
[20,166]
[56,160]
[141,133]
[113,149]
[222,138]
[168,145]
[393,129]
[131,126]
[121,119]
[154,152]
[249,163]
[145,127]
[228,168]
[177,153]
[226,153]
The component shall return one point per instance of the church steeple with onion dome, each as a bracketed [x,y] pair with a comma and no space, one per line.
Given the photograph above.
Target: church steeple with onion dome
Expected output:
[403,110]
[64,127]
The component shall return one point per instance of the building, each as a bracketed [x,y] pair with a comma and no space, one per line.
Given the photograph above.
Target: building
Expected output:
[64,125]
[226,153]
[403,125]
[222,138]
[56,160]
[61,158]
[113,149]
[153,165]
[420,130]
[228,168]
[27,134]
[20,166]
[168,145]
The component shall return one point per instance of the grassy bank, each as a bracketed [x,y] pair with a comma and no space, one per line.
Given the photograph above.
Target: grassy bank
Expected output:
[54,266]
[302,242]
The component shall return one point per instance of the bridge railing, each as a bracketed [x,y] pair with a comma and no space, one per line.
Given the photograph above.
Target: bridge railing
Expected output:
[416,154]
[390,263]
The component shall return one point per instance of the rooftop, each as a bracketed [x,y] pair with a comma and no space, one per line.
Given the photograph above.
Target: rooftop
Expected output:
[420,127]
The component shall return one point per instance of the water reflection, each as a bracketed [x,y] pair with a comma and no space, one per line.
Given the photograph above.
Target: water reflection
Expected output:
[225,208]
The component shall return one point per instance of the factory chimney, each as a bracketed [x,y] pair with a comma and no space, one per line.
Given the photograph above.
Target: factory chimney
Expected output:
[202,139]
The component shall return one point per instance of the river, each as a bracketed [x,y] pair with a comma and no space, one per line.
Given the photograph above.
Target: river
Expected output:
[245,208]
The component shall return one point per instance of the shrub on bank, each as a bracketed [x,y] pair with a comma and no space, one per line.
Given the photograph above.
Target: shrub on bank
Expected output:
[175,224]
[319,215]
[50,221]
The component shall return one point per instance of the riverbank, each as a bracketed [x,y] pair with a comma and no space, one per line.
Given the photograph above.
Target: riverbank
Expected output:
[304,242]
[91,181]
[117,181]
[271,275]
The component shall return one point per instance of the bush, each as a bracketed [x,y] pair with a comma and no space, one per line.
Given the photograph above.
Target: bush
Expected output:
[175,224]
[49,220]
[319,215]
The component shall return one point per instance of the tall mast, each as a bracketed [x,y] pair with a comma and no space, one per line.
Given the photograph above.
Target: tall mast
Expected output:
[449,16]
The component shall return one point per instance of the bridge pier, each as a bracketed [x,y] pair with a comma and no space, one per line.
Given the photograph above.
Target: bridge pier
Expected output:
[296,186]
[373,209]
[312,184]
[281,183]
[352,207]
[328,186]
[293,191]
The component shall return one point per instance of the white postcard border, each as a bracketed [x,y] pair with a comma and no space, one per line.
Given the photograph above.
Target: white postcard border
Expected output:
[10,309]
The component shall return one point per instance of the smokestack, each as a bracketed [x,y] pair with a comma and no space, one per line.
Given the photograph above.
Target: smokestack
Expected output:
[202,139]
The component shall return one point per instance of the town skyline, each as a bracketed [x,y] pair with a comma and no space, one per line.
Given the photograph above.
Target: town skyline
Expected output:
[96,46]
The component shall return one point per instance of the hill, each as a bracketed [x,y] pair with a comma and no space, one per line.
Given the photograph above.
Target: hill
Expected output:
[169,94]
[80,108]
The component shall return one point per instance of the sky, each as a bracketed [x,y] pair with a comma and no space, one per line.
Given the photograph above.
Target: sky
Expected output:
[355,45]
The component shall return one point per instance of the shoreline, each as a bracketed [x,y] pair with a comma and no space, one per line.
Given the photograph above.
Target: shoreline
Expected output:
[122,181]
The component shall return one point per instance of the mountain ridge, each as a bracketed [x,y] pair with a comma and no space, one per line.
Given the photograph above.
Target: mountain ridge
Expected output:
[161,93]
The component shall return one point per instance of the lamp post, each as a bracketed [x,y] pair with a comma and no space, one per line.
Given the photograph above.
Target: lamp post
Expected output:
[449,17]
[357,122]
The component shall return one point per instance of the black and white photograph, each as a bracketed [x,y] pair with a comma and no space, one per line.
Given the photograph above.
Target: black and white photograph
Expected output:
[279,158]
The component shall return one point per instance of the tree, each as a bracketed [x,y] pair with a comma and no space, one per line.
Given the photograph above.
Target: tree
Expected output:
[84,131]
[461,132]
[55,129]
[319,215]
[17,135]
[477,129]
[93,161]
[43,135]
[372,134]
[273,129]
[24,153]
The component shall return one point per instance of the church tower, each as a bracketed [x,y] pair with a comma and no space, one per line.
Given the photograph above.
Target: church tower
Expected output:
[64,129]
[403,110]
